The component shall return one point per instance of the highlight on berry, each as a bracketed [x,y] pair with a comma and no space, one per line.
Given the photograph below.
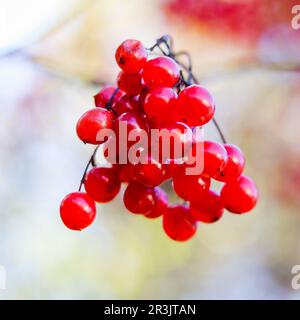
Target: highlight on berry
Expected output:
[156,90]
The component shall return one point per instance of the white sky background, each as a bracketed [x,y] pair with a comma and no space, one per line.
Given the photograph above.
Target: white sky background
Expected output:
[24,21]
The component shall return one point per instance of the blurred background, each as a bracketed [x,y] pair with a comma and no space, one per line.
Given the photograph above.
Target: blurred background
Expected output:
[54,56]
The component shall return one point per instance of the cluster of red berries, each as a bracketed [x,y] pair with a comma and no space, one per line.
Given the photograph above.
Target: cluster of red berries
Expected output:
[155,93]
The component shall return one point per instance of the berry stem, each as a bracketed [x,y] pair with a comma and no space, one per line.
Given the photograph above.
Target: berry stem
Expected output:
[215,122]
[90,162]
[167,40]
[108,105]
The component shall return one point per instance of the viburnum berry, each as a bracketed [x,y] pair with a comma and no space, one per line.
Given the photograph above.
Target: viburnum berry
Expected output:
[160,104]
[77,210]
[208,208]
[127,123]
[189,187]
[239,196]
[102,184]
[105,94]
[173,142]
[131,56]
[130,83]
[133,121]
[151,174]
[161,204]
[215,158]
[178,223]
[160,72]
[125,104]
[234,166]
[130,121]
[195,106]
[139,199]
[91,122]
[170,167]
[126,172]
[211,156]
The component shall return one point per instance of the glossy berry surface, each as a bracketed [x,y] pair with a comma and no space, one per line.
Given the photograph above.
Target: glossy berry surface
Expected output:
[161,204]
[133,121]
[209,208]
[91,122]
[173,142]
[239,196]
[190,187]
[105,94]
[130,83]
[151,173]
[160,72]
[160,104]
[126,172]
[77,210]
[126,104]
[210,157]
[102,184]
[171,166]
[131,56]
[178,223]
[139,199]
[234,166]
[130,124]
[195,105]
[215,158]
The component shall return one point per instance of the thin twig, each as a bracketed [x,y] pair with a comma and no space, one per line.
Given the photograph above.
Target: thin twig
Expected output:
[219,130]
[90,162]
[109,104]
[168,42]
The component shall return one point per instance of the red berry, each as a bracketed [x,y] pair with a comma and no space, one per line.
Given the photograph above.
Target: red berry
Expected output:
[161,72]
[151,173]
[215,158]
[133,121]
[161,204]
[102,184]
[212,157]
[160,104]
[195,106]
[125,104]
[130,83]
[130,121]
[170,168]
[126,172]
[190,187]
[208,208]
[91,122]
[77,210]
[178,223]
[105,94]
[139,199]
[172,142]
[240,196]
[131,56]
[235,164]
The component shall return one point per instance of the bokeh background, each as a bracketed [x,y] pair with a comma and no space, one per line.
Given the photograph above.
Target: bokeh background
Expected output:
[54,56]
